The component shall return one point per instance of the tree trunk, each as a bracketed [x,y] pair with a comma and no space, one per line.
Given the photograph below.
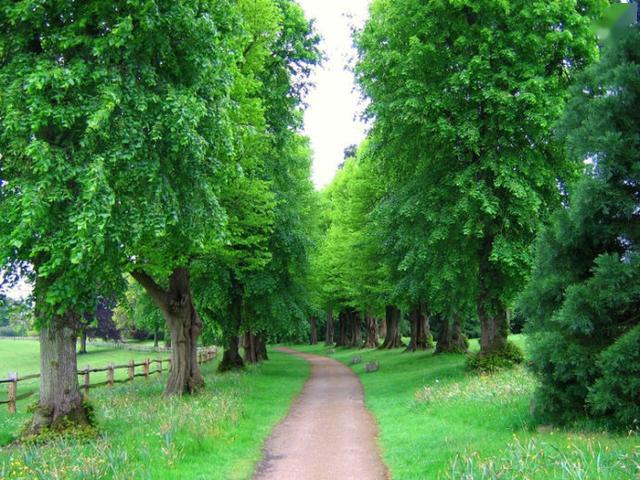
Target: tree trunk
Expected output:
[451,338]
[261,348]
[83,341]
[372,331]
[314,330]
[328,338]
[393,338]
[255,348]
[231,359]
[156,334]
[341,341]
[355,340]
[382,329]
[420,330]
[185,326]
[494,325]
[60,401]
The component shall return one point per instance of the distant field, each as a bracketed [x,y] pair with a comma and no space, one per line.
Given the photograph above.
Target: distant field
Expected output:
[23,357]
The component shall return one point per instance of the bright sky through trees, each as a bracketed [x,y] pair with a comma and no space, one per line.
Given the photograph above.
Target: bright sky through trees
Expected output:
[332,118]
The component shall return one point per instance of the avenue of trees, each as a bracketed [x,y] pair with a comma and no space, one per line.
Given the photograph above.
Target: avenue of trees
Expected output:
[156,141]
[152,165]
[493,124]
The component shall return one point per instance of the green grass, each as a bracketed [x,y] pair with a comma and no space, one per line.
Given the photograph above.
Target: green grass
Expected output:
[23,357]
[216,434]
[437,421]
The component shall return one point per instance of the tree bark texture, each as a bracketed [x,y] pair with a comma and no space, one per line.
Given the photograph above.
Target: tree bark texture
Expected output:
[451,338]
[328,337]
[421,338]
[393,338]
[372,331]
[313,340]
[61,402]
[494,324]
[185,326]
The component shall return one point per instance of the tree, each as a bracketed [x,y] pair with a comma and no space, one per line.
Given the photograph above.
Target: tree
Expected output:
[462,96]
[115,131]
[100,324]
[583,300]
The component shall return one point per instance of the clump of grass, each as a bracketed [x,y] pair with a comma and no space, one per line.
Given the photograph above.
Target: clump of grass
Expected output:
[539,460]
[502,388]
[507,357]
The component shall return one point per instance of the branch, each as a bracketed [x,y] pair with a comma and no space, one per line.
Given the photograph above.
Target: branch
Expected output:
[152,288]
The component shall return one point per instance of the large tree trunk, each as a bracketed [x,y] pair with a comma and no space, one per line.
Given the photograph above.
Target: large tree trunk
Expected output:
[255,348]
[313,340]
[372,331]
[393,339]
[355,340]
[83,341]
[185,326]
[328,337]
[231,359]
[60,403]
[420,331]
[249,346]
[451,338]
[494,324]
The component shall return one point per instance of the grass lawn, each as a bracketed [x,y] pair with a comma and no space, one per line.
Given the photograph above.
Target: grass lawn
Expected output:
[437,421]
[23,357]
[214,435]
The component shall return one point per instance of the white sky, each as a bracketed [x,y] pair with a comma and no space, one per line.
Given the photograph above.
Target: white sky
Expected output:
[332,118]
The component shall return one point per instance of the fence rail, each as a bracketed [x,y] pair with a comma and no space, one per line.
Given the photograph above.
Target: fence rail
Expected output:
[204,355]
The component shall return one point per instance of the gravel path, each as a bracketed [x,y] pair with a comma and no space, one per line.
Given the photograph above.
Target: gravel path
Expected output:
[328,433]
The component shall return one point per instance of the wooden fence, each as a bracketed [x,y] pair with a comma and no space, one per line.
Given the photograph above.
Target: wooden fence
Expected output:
[204,355]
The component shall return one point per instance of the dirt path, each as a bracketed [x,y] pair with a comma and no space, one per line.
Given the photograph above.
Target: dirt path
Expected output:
[328,433]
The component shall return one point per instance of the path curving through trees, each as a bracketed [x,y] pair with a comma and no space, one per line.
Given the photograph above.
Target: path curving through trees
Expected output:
[328,433]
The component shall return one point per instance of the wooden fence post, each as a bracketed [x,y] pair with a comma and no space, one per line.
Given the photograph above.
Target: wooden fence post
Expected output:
[13,390]
[160,365]
[132,369]
[110,375]
[170,363]
[86,380]
[146,368]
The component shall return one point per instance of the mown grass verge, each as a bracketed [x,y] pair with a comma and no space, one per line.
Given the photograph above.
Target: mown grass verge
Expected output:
[436,420]
[216,434]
